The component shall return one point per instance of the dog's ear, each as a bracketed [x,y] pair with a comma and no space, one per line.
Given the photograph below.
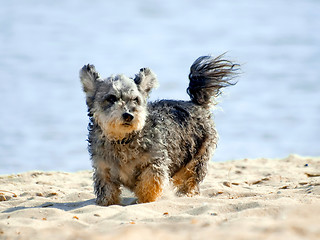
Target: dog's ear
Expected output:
[146,80]
[89,78]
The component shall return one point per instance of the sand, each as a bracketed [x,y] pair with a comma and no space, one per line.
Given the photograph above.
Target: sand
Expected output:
[242,199]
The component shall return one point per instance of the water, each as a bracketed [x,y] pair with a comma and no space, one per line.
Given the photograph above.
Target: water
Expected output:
[273,111]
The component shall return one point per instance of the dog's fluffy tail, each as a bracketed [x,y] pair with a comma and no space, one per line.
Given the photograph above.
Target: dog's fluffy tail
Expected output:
[207,76]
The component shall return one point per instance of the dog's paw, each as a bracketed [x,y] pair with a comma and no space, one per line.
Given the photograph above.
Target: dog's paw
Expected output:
[103,201]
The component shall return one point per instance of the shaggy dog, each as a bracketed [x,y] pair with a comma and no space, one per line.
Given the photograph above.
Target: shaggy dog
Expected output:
[145,145]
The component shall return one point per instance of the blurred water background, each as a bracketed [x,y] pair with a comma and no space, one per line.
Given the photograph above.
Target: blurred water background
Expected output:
[273,111]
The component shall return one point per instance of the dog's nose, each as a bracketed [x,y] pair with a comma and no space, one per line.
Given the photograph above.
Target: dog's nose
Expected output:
[127,117]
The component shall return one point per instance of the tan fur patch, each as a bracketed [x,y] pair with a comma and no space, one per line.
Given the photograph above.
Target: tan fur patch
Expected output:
[149,188]
[185,181]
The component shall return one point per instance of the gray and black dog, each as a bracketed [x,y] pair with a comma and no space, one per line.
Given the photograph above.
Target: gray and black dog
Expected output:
[145,145]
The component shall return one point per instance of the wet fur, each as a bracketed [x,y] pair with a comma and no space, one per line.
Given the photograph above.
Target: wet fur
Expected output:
[145,145]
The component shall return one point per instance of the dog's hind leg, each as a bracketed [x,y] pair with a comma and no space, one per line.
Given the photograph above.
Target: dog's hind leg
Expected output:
[188,178]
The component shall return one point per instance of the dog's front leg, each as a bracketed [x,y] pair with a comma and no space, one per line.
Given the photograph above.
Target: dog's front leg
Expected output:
[149,186]
[107,191]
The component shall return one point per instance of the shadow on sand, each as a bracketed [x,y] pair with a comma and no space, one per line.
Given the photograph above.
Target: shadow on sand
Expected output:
[69,206]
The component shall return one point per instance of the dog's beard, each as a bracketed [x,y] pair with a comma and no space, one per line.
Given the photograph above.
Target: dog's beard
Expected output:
[115,128]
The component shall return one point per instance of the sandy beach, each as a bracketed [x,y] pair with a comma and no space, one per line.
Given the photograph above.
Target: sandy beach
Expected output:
[242,199]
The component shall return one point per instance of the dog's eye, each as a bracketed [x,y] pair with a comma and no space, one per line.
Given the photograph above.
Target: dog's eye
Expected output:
[137,100]
[111,98]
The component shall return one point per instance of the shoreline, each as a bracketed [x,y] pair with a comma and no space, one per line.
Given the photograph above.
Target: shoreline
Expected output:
[240,199]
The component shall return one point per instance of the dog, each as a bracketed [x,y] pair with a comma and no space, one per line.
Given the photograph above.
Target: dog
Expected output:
[144,145]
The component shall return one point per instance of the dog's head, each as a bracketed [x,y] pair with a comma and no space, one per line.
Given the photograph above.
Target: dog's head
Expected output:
[118,104]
